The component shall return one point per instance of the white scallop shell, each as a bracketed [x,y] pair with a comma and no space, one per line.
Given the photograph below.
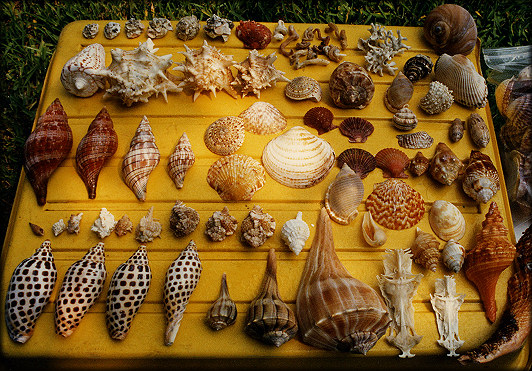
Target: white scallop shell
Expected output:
[85,73]
[295,233]
[446,220]
[453,255]
[373,234]
[344,195]
[263,118]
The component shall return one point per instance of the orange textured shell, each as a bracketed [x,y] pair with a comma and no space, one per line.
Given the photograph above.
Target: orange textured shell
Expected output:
[393,162]
[445,166]
[254,35]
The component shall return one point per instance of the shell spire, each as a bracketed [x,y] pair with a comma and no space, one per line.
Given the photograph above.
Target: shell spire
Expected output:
[180,161]
[223,311]
[85,73]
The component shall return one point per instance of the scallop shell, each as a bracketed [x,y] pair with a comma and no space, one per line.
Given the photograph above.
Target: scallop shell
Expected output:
[478,130]
[111,30]
[458,73]
[420,139]
[319,118]
[123,226]
[395,205]
[418,67]
[90,30]
[183,219]
[372,233]
[303,87]
[263,118]
[297,158]
[295,233]
[446,221]
[351,86]
[356,129]
[158,28]
[225,135]
[344,195]
[133,28]
[453,255]
[481,180]
[236,177]
[257,227]
[148,228]
[180,161]
[359,160]
[253,34]
[187,28]
[405,119]
[220,225]
[222,313]
[84,74]
[438,99]
[456,130]
[425,250]
[393,162]
[445,167]
[398,93]
[217,27]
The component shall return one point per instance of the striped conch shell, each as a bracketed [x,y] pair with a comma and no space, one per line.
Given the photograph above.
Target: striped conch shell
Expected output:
[181,159]
[344,195]
[85,73]
[143,156]
[25,299]
[425,250]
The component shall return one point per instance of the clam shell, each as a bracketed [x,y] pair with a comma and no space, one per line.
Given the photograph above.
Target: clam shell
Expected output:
[418,67]
[453,255]
[225,135]
[236,177]
[303,87]
[425,250]
[356,129]
[180,161]
[319,118]
[393,162]
[446,221]
[222,313]
[481,180]
[445,166]
[438,99]
[372,233]
[404,119]
[351,86]
[419,164]
[359,160]
[456,130]
[297,158]
[420,139]
[344,195]
[398,93]
[478,130]
[295,233]
[263,118]
[83,74]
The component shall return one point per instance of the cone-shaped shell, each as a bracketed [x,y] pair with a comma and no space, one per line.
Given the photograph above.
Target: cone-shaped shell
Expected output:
[303,87]
[94,149]
[398,93]
[263,118]
[481,180]
[357,129]
[453,255]
[446,221]
[46,147]
[425,250]
[445,166]
[269,319]
[372,233]
[181,159]
[295,233]
[344,195]
[222,312]
[393,162]
[298,158]
[359,160]
[225,135]
[351,86]
[85,73]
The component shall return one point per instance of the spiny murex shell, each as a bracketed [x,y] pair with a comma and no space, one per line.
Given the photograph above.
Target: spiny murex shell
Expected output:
[223,311]
[446,220]
[263,118]
[303,87]
[481,180]
[438,99]
[295,233]
[85,73]
[104,224]
[425,250]
[298,158]
[344,195]
[148,228]
[257,227]
[372,233]
[453,255]
[181,160]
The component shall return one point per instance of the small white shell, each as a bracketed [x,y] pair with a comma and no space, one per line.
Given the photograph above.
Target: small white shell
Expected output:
[74,222]
[446,220]
[373,234]
[295,233]
[84,73]
[148,228]
[344,195]
[280,30]
[105,224]
[111,30]
[453,255]
[58,227]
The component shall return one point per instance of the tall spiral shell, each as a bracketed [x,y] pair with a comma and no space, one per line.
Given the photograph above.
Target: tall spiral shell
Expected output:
[425,250]
[94,149]
[181,159]
[481,180]
[46,147]
[84,73]
[351,86]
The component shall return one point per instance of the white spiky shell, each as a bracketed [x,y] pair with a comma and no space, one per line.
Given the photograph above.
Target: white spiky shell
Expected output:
[148,228]
[181,159]
[453,255]
[295,233]
[85,73]
[344,195]
[446,220]
[263,118]
[438,99]
[105,224]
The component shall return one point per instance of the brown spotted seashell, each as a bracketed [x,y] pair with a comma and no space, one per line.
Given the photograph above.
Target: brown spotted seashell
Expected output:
[183,219]
[425,250]
[344,195]
[446,221]
[405,119]
[46,147]
[225,135]
[393,162]
[254,35]
[438,99]
[84,74]
[445,167]
[351,86]
[303,87]
[419,164]
[456,130]
[451,29]
[359,160]
[223,311]
[395,205]
[418,140]
[356,129]
[398,93]
[320,118]
[481,180]
[180,161]
[478,130]
[263,118]
[257,227]
[236,177]
[418,67]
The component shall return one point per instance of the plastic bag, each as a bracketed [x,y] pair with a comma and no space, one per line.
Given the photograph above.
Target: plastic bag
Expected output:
[506,62]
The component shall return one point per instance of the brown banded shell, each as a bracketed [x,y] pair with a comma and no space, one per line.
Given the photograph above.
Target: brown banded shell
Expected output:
[351,86]
[257,227]
[344,195]
[263,118]
[180,161]
[398,93]
[303,87]
[405,119]
[393,162]
[478,130]
[453,255]
[359,160]
[445,166]
[356,129]
[446,220]
[419,164]
[418,67]
[220,225]
[481,180]
[222,312]
[511,90]
[456,130]
[320,118]
[183,219]
[425,250]
[438,99]
[225,135]
[418,140]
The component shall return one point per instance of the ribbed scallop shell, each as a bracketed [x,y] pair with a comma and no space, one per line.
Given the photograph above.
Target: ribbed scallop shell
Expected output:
[446,220]
[225,135]
[445,166]
[481,180]
[295,233]
[359,160]
[372,233]
[143,156]
[395,205]
[425,250]
[344,195]
[319,118]
[297,158]
[84,73]
[456,130]
[263,118]
[46,147]
[453,255]
[351,86]
[418,140]
[181,159]
[404,119]
[418,67]
[478,130]
[398,93]
[303,87]
[393,162]
[419,164]
[356,129]
[95,148]
[236,177]
[438,99]
[222,313]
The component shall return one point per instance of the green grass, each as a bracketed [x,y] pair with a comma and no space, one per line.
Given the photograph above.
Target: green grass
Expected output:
[29,31]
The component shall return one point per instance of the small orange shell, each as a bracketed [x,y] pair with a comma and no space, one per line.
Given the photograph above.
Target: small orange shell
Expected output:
[356,129]
[419,164]
[254,35]
[225,135]
[359,160]
[320,118]
[445,167]
[393,162]
[425,250]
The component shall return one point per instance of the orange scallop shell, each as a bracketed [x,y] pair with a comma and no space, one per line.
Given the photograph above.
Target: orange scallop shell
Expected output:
[393,162]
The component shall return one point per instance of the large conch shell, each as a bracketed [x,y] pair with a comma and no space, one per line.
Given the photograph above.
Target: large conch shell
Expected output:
[344,195]
[85,73]
[351,86]
[481,180]
[46,147]
[336,311]
[181,159]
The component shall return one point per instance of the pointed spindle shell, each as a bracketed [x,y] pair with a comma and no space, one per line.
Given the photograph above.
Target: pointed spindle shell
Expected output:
[222,313]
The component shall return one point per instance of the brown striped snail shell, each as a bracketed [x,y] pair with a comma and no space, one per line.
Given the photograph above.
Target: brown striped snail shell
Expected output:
[180,161]
[351,86]
[425,250]
[481,180]
[453,255]
[417,67]
[404,119]
[222,313]
[478,130]
[419,164]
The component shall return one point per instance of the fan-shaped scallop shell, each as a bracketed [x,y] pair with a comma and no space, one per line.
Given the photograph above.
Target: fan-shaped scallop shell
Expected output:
[445,166]
[320,118]
[344,195]
[405,119]
[438,99]
[236,177]
[297,158]
[425,250]
[453,255]
[395,205]
[456,130]
[84,73]
[225,135]
[303,87]
[359,160]
[418,140]
[295,233]
[446,221]
[263,118]
[356,129]
[223,311]
[478,130]
[393,162]
[481,180]
[372,233]
[398,93]
[351,86]
[181,159]
[418,67]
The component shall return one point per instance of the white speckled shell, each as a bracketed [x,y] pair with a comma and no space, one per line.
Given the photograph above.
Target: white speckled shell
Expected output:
[263,118]
[303,87]
[344,195]
[438,99]
[85,73]
[446,221]
[453,255]
[295,233]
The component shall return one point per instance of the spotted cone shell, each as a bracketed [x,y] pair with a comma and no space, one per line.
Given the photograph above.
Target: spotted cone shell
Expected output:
[25,301]
[222,313]
[481,180]
[344,195]
[85,73]
[180,161]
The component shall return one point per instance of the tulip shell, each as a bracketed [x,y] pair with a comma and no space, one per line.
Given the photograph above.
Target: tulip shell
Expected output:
[372,233]
[344,195]
[222,313]
[446,221]
[180,161]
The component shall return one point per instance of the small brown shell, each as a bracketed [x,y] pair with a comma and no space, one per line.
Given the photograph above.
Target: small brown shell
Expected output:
[420,139]
[222,312]
[419,164]
[257,227]
[478,130]
[405,119]
[263,118]
[445,167]
[344,195]
[359,160]
[320,118]
[425,250]
[183,219]
[398,93]
[37,230]
[220,225]
[225,135]
[418,67]
[123,226]
[254,35]
[456,130]
[356,129]
[351,86]
[303,87]
[393,162]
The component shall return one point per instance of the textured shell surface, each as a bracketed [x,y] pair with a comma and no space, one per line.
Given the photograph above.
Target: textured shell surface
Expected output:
[510,90]
[253,34]
[127,290]
[220,225]
[478,130]
[269,319]
[46,147]
[356,129]
[361,161]
[263,118]
[320,118]
[438,99]
[181,160]
[148,228]
[446,220]
[104,225]
[393,162]
[133,28]
[225,135]
[183,219]
[222,313]
[58,227]
[395,205]
[73,223]
[405,119]
[418,140]
[456,130]
[351,86]
[451,29]
[398,286]
[82,285]
[158,28]
[24,301]
[418,67]
[236,177]
[372,233]
[519,111]
[182,277]
[425,250]
[458,73]
[481,180]
[298,158]
[217,27]
[303,87]
[111,30]
[445,166]
[295,233]
[143,156]
[336,311]
[123,225]
[95,148]
[90,30]
[84,74]
[398,93]
[453,255]
[187,28]
[344,195]
[257,227]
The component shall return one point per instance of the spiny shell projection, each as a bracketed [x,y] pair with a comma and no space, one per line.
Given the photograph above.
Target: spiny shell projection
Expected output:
[143,156]
[127,290]
[206,69]
[445,166]
[303,87]
[90,30]
[351,86]
[187,28]
[111,30]
[24,300]
[405,119]
[438,99]
[225,135]
[269,319]
[425,250]
[84,73]
[133,28]
[236,177]
[135,75]
[220,225]
[181,160]
[295,233]
[257,227]
[344,195]
[335,311]
[393,162]
[456,130]
[253,34]
[148,228]
[320,118]
[123,226]
[158,28]
[372,233]
[395,205]
[46,147]
[446,220]
[420,139]
[263,118]
[493,252]
[81,287]
[398,93]
[223,311]
[357,129]
[361,161]
[297,158]
[418,67]
[453,255]
[104,224]
[183,219]
[481,180]
[217,27]
[180,282]
[95,148]
[478,130]
[458,73]
[73,223]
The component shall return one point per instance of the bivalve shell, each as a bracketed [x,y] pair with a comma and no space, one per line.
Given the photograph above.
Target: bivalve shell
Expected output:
[356,129]
[263,118]
[303,87]
[225,135]
[320,118]
[398,93]
[438,99]
[478,130]
[420,139]
[393,162]
[359,160]
[344,195]
[405,119]
[453,255]
[446,221]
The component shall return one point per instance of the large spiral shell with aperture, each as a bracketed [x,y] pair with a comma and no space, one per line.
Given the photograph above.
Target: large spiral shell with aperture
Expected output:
[84,73]
[351,86]
[344,195]
[481,180]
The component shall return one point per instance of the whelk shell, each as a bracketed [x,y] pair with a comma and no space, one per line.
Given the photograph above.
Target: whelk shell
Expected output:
[417,67]
[425,250]
[220,225]
[456,130]
[372,233]
[453,255]
[225,135]
[263,118]
[359,160]
[481,180]
[84,73]
[446,221]
[257,227]
[123,226]
[357,129]
[183,219]
[418,140]
[344,195]
[393,162]
[478,130]
[404,119]
[295,233]
[319,118]
[222,312]
[181,160]
[438,99]
[36,229]
[303,87]
[398,93]
[351,86]
[445,167]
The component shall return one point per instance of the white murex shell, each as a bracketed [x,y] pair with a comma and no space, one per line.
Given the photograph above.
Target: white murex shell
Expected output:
[344,195]
[105,224]
[85,73]
[295,233]
[373,234]
[453,255]
[446,220]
